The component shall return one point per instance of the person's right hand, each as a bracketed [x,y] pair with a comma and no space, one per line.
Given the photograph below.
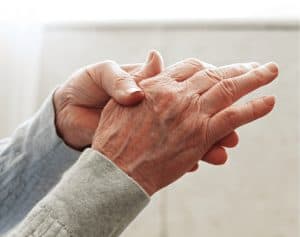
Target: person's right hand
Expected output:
[79,101]
[180,119]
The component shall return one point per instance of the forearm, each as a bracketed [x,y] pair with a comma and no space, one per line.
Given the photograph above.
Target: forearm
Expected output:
[32,161]
[94,198]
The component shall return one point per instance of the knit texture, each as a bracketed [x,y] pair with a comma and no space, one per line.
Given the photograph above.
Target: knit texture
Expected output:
[32,163]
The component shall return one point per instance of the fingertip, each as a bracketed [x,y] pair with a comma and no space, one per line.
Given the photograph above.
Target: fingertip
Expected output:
[154,53]
[131,96]
[222,158]
[235,140]
[216,156]
[272,67]
[152,67]
[155,59]
[136,96]
[150,56]
[258,108]
[230,140]
[269,100]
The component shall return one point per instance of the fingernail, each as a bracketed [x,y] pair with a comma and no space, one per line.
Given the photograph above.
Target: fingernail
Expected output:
[269,100]
[272,67]
[133,90]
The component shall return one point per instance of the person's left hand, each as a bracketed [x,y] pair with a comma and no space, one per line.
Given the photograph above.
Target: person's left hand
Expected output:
[180,119]
[79,102]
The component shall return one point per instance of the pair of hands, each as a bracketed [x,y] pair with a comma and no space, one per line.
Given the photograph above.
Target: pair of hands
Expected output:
[80,101]
[184,117]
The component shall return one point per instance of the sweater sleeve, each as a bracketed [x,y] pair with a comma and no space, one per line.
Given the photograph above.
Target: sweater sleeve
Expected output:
[94,198]
[32,162]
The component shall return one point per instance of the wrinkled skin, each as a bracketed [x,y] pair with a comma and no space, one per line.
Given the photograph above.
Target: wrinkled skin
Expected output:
[182,116]
[80,101]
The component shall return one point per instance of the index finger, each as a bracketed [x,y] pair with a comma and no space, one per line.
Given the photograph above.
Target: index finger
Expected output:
[205,79]
[228,91]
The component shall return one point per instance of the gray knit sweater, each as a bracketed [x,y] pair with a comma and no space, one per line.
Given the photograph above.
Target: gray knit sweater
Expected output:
[49,189]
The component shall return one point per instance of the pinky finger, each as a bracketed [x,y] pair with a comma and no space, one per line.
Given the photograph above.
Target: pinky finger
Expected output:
[231,140]
[216,156]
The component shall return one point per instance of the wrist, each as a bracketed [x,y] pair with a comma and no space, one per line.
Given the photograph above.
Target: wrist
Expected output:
[132,172]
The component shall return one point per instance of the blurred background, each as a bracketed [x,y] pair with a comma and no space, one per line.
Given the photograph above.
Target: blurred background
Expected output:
[257,192]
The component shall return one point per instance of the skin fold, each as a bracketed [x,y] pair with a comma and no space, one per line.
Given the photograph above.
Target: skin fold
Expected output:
[185,113]
[80,101]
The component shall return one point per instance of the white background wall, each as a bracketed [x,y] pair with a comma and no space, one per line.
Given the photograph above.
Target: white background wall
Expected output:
[95,10]
[256,192]
[19,73]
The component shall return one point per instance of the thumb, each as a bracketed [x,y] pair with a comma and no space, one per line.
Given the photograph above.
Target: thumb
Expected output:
[153,66]
[122,86]
[119,84]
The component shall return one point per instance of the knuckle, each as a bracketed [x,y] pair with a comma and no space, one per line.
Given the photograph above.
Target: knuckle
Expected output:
[258,75]
[252,109]
[228,88]
[204,103]
[163,102]
[121,82]
[176,76]
[236,70]
[65,96]
[210,132]
[195,62]
[118,81]
[232,118]
[107,64]
[240,69]
[215,74]
[148,83]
